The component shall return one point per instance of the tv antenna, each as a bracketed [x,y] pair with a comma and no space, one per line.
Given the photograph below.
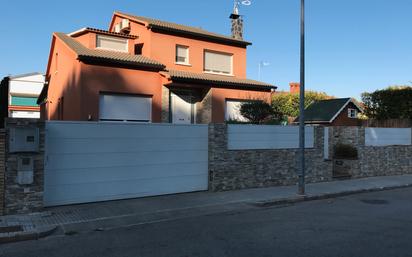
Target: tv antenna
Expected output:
[241,2]
[245,2]
[236,7]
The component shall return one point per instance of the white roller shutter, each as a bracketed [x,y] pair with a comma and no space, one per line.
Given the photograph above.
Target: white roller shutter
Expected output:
[125,108]
[218,62]
[112,43]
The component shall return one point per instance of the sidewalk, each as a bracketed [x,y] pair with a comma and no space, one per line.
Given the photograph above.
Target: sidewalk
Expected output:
[107,215]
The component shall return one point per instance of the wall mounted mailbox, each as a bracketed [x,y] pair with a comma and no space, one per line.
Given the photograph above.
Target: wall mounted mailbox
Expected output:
[25,170]
[23,139]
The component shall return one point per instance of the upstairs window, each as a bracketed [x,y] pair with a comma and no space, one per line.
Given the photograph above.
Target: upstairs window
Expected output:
[220,63]
[352,113]
[182,54]
[111,43]
[138,49]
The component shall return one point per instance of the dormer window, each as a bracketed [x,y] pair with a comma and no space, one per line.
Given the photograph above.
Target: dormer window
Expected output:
[111,43]
[352,113]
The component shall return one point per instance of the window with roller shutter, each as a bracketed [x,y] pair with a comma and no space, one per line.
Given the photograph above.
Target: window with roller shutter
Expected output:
[218,63]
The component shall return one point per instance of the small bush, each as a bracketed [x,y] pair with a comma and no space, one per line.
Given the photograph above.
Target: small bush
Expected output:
[345,151]
[232,121]
[269,121]
[256,112]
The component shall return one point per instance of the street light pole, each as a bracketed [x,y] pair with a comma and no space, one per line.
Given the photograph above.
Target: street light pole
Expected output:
[261,65]
[301,189]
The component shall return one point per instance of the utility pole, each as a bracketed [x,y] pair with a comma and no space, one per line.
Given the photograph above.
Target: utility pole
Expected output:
[301,189]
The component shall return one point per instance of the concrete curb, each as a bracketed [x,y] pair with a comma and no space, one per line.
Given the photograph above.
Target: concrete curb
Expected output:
[297,199]
[27,235]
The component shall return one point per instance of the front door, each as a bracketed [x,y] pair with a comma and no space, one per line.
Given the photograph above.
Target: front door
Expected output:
[182,109]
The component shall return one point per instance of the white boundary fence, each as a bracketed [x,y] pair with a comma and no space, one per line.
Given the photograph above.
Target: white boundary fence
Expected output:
[387,136]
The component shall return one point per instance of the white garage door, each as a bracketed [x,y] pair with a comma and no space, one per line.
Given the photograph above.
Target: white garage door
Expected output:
[125,108]
[88,162]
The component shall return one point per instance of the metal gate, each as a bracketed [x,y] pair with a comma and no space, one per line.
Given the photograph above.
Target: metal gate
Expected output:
[94,161]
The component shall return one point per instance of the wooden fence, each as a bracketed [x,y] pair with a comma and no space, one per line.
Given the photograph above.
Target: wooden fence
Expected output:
[392,123]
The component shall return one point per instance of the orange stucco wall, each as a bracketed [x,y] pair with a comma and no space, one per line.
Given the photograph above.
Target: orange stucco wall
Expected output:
[220,95]
[96,79]
[139,30]
[80,84]
[88,40]
[164,50]
[162,47]
[63,74]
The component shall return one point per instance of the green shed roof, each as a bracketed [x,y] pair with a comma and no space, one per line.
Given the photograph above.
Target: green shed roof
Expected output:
[325,110]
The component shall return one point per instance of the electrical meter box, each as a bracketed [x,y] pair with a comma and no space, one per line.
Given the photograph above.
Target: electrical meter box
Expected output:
[25,170]
[24,139]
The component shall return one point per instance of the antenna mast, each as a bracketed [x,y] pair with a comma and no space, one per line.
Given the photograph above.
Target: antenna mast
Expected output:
[236,7]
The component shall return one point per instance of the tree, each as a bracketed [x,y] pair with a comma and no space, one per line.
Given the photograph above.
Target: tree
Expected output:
[394,102]
[256,111]
[288,103]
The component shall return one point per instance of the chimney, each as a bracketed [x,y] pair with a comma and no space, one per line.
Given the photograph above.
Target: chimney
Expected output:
[237,23]
[294,87]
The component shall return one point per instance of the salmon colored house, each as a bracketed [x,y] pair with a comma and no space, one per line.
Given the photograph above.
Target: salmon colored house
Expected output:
[146,70]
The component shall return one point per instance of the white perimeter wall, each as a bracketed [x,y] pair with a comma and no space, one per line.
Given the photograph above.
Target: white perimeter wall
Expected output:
[245,137]
[387,136]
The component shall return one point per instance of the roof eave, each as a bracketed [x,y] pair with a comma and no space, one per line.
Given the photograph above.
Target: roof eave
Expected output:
[25,75]
[224,84]
[157,28]
[100,31]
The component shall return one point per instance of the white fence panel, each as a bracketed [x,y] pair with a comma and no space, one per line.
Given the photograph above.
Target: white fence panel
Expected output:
[88,162]
[387,136]
[326,143]
[253,137]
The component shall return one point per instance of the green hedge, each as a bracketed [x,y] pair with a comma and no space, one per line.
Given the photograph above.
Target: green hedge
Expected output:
[390,103]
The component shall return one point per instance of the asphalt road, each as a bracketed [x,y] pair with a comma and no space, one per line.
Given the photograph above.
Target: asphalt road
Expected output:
[373,224]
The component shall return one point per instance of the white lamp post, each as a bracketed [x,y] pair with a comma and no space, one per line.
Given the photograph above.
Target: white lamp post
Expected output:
[262,64]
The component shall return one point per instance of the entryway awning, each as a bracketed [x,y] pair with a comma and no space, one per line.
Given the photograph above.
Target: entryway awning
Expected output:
[216,80]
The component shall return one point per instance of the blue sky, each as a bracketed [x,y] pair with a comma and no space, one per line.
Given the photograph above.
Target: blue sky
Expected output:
[352,46]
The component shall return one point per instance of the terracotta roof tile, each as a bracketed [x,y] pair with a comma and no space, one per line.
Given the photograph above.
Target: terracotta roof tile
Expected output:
[173,27]
[85,53]
[183,76]
[100,31]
